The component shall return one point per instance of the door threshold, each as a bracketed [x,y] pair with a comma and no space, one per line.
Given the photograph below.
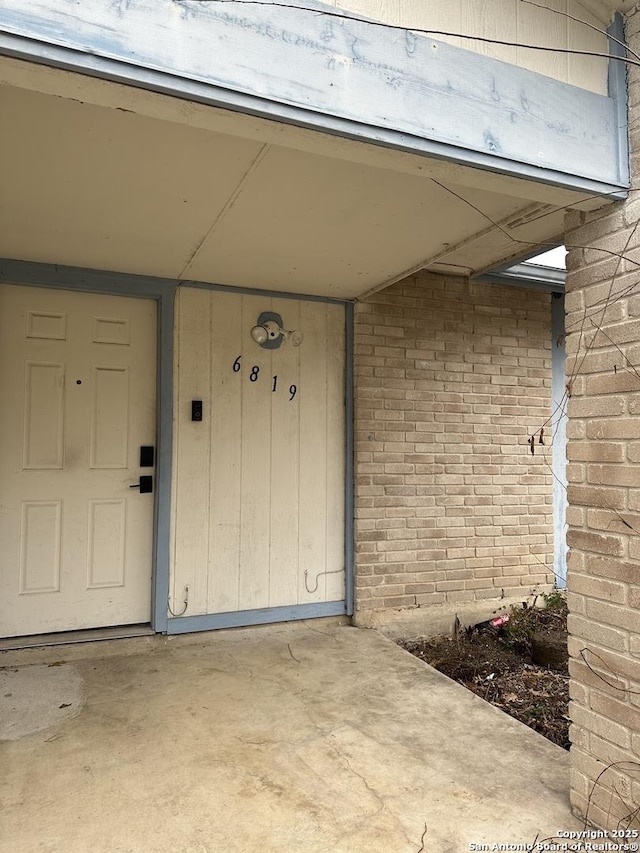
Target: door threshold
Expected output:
[86,635]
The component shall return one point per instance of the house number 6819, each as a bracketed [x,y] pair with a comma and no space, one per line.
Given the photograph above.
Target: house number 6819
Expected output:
[254,376]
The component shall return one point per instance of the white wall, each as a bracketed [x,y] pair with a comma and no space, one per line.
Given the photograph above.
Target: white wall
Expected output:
[507,20]
[259,484]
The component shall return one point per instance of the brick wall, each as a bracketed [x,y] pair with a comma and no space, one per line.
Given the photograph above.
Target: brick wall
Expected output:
[603,344]
[451,508]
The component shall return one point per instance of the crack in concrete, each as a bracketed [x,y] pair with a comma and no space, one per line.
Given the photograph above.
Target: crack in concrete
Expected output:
[383,806]
[319,733]
[292,654]
[343,759]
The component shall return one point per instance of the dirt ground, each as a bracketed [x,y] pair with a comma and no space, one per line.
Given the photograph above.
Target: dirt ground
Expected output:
[497,664]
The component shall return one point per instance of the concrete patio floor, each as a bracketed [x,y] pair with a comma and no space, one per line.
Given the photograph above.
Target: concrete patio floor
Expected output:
[301,737]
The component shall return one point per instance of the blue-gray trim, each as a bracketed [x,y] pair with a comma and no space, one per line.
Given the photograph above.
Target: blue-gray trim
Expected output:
[163,292]
[559,434]
[244,618]
[526,275]
[349,502]
[376,84]
[90,279]
[254,291]
[160,587]
[618,92]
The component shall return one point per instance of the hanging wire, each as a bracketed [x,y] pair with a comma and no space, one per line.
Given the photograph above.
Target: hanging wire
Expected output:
[318,576]
[186,604]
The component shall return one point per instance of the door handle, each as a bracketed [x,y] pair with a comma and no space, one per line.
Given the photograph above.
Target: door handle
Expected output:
[145,484]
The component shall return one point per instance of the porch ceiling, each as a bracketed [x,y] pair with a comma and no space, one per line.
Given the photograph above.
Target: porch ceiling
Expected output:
[101,175]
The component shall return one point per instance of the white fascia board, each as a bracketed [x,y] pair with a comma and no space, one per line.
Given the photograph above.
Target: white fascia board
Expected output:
[347,77]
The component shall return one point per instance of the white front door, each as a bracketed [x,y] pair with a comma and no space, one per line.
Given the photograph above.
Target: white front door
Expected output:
[77,402]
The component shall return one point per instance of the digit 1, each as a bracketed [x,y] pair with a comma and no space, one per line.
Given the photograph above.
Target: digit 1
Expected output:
[275,383]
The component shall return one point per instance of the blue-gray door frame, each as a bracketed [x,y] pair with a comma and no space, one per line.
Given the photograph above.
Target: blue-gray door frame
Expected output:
[288,613]
[163,292]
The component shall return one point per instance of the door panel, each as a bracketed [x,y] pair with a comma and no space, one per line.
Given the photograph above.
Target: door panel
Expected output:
[78,386]
[258,503]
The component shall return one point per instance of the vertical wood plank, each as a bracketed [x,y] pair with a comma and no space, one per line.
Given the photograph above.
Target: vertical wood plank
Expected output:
[285,452]
[260,483]
[443,15]
[538,26]
[379,10]
[192,453]
[335,584]
[256,462]
[493,19]
[228,341]
[504,19]
[587,71]
[436,14]
[312,544]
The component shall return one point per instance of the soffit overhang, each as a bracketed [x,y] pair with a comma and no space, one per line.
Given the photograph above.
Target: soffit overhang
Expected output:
[281,149]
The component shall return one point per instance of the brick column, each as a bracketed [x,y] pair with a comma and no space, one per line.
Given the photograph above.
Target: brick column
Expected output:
[603,347]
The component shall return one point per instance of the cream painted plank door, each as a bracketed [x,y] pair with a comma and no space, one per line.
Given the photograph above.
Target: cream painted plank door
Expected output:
[78,386]
[258,503]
